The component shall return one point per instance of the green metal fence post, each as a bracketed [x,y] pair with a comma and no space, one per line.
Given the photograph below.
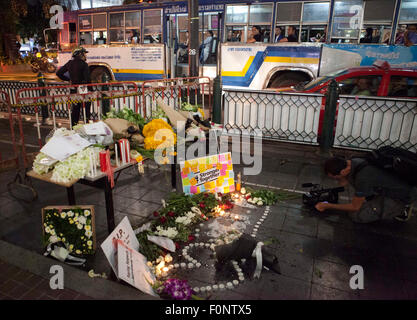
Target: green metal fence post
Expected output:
[105,103]
[217,100]
[327,134]
[44,109]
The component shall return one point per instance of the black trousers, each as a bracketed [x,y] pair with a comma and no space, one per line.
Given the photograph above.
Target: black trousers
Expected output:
[76,110]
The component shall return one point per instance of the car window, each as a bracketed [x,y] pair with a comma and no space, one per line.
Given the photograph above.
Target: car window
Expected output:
[360,85]
[402,86]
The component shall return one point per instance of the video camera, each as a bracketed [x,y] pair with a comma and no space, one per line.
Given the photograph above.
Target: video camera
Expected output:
[318,194]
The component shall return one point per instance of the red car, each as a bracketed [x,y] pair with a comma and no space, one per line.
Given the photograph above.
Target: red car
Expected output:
[379,80]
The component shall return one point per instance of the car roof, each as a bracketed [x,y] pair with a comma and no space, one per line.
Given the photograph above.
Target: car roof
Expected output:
[374,69]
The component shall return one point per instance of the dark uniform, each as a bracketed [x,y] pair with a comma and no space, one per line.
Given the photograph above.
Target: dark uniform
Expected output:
[79,73]
[386,194]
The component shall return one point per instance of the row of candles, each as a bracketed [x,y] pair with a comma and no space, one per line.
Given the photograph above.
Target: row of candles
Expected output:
[122,145]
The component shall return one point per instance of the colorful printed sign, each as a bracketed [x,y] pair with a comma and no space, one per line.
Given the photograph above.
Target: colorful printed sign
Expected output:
[208,174]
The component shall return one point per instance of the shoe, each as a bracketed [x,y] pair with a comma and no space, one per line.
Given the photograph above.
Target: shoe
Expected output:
[405,215]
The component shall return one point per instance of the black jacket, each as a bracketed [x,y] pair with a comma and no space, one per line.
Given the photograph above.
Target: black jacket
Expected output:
[78,71]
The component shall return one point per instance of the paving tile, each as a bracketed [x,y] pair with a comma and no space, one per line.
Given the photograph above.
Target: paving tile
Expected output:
[302,225]
[142,208]
[331,275]
[295,265]
[408,268]
[67,294]
[274,287]
[14,289]
[297,243]
[379,287]
[319,292]
[33,294]
[154,196]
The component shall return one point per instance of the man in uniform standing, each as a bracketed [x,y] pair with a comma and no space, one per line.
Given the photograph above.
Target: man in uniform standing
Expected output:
[79,73]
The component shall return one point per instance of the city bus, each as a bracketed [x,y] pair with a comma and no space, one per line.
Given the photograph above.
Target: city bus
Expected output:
[150,40]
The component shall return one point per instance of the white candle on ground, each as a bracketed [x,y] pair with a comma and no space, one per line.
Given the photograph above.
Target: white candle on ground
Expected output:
[128,151]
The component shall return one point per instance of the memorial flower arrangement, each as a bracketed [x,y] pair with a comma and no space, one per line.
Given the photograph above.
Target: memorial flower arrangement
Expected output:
[74,227]
[175,289]
[177,218]
[151,128]
[76,166]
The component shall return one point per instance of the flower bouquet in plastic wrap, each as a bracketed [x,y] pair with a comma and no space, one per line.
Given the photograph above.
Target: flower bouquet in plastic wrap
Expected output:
[248,248]
[176,289]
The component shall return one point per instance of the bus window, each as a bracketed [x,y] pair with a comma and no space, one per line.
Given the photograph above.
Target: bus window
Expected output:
[100,37]
[182,27]
[261,15]
[234,33]
[288,14]
[377,19]
[86,38]
[100,28]
[152,26]
[117,27]
[237,18]
[86,29]
[346,21]
[85,22]
[408,12]
[314,21]
[132,25]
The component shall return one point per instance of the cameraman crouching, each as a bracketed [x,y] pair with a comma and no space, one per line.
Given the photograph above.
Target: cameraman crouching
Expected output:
[378,194]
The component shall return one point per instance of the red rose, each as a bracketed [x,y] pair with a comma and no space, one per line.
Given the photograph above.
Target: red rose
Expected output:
[220,194]
[191,238]
[171,214]
[205,195]
[177,245]
[156,213]
[163,219]
[202,205]
[247,197]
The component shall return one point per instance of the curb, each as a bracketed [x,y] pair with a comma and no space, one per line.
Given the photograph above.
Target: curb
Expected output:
[74,279]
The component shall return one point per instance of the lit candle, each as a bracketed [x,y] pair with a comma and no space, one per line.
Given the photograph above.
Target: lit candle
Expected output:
[165,271]
[198,265]
[215,287]
[235,282]
[236,217]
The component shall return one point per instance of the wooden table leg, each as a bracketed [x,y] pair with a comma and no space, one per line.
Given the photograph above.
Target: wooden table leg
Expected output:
[71,196]
[108,194]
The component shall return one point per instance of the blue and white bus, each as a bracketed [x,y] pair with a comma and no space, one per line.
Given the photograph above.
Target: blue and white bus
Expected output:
[149,40]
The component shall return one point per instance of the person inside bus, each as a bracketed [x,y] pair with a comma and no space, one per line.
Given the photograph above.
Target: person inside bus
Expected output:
[410,36]
[399,37]
[256,35]
[132,36]
[368,36]
[79,73]
[206,46]
[362,87]
[292,35]
[101,39]
[278,34]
